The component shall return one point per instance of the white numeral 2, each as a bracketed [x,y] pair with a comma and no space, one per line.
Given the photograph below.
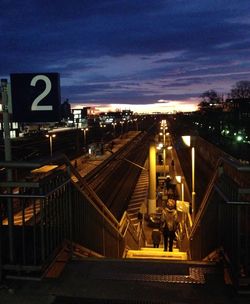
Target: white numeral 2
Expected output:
[35,106]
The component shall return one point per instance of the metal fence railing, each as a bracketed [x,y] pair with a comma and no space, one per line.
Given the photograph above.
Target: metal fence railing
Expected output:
[37,217]
[223,219]
[33,221]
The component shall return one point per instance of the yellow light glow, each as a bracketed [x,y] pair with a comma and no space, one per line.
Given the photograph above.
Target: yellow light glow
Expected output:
[187,140]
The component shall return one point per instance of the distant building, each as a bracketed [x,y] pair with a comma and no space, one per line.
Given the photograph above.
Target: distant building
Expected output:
[84,117]
[239,109]
[14,126]
[66,113]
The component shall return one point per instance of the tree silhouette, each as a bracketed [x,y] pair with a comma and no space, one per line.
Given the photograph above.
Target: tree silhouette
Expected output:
[209,98]
[241,90]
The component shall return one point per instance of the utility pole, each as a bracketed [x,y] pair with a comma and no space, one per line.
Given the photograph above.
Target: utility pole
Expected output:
[8,158]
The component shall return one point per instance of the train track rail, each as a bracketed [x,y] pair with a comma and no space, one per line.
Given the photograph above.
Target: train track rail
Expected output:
[114,180]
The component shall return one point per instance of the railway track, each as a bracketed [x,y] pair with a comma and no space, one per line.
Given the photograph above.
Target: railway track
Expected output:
[114,180]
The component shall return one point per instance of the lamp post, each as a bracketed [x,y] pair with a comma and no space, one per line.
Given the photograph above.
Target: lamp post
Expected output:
[164,127]
[136,124]
[114,124]
[163,133]
[164,151]
[122,123]
[179,181]
[187,141]
[152,179]
[85,135]
[50,136]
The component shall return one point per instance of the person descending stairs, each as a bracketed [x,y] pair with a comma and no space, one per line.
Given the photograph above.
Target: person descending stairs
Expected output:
[160,239]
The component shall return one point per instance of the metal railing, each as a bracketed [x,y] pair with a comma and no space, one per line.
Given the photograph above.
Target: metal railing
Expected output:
[37,216]
[183,233]
[223,219]
[33,221]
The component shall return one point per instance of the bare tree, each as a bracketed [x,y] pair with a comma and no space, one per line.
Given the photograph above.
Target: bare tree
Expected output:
[211,97]
[241,90]
[208,100]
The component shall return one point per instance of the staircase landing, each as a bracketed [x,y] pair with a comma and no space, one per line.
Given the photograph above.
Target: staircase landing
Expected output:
[126,281]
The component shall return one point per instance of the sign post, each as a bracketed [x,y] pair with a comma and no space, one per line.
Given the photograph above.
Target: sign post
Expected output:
[6,120]
[8,158]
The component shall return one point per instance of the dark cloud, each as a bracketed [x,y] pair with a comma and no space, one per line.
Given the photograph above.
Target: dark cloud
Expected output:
[121,51]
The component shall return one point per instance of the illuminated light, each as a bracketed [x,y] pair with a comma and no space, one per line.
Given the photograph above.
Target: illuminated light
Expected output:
[239,138]
[77,111]
[178,178]
[187,140]
[52,135]
[44,169]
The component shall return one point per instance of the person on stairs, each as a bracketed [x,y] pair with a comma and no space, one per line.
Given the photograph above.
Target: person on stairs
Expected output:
[156,237]
[169,224]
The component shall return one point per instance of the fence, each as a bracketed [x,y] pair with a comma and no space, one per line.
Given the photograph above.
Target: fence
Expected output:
[223,220]
[38,215]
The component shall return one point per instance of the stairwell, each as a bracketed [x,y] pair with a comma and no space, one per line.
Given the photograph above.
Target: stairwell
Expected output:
[137,203]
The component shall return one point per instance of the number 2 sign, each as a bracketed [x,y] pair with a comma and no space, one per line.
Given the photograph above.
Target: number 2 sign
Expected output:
[35,97]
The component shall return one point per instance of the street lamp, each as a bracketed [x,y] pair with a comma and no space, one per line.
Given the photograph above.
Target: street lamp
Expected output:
[164,128]
[179,181]
[122,123]
[163,133]
[136,124]
[114,124]
[187,141]
[50,136]
[84,135]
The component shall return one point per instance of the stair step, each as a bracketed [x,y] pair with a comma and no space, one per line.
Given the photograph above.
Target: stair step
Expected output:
[155,253]
[160,249]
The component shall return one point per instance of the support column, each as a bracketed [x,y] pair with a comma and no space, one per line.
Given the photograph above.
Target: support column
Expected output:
[152,179]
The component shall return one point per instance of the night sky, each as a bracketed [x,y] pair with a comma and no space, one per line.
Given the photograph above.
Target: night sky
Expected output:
[159,54]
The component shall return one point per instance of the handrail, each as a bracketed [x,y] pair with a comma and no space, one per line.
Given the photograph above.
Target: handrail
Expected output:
[76,199]
[126,222]
[87,189]
[203,205]
[91,194]
[102,208]
[222,160]
[183,231]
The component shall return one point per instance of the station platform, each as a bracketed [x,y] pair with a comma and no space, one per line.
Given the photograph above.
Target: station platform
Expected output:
[87,162]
